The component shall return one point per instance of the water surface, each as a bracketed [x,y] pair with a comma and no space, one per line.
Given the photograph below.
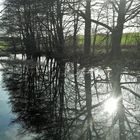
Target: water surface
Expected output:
[57,100]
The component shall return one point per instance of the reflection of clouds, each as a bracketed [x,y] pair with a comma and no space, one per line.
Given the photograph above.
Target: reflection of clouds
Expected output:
[4,98]
[5,115]
[7,131]
[12,134]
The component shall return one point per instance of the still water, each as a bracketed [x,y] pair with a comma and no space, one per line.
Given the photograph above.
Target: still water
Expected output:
[50,99]
[8,131]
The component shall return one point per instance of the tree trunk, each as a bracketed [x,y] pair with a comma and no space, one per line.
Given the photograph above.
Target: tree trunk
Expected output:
[118,30]
[116,42]
[87,36]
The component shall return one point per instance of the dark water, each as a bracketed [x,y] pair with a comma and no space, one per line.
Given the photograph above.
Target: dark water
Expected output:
[57,100]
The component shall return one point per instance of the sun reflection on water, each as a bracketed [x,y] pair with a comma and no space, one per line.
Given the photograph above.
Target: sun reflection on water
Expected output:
[110,105]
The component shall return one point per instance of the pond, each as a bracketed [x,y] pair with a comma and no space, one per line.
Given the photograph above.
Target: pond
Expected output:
[51,99]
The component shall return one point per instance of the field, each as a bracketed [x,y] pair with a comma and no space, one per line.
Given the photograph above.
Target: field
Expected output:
[128,39]
[3,45]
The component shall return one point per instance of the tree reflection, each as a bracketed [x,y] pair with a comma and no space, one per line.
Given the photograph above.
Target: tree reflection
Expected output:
[37,97]
[58,100]
[117,93]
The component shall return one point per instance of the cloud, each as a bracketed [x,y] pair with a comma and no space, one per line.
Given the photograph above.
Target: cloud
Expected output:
[12,134]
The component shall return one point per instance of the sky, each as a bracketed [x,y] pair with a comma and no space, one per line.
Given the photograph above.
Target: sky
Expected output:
[125,30]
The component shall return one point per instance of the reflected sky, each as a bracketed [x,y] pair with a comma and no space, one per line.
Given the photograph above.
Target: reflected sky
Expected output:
[7,130]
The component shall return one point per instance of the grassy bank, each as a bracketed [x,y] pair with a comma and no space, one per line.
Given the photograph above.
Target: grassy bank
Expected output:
[3,48]
[130,46]
[128,39]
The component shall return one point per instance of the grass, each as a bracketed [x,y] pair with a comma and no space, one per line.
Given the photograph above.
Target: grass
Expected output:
[100,39]
[130,44]
[3,45]
[3,48]
[128,39]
